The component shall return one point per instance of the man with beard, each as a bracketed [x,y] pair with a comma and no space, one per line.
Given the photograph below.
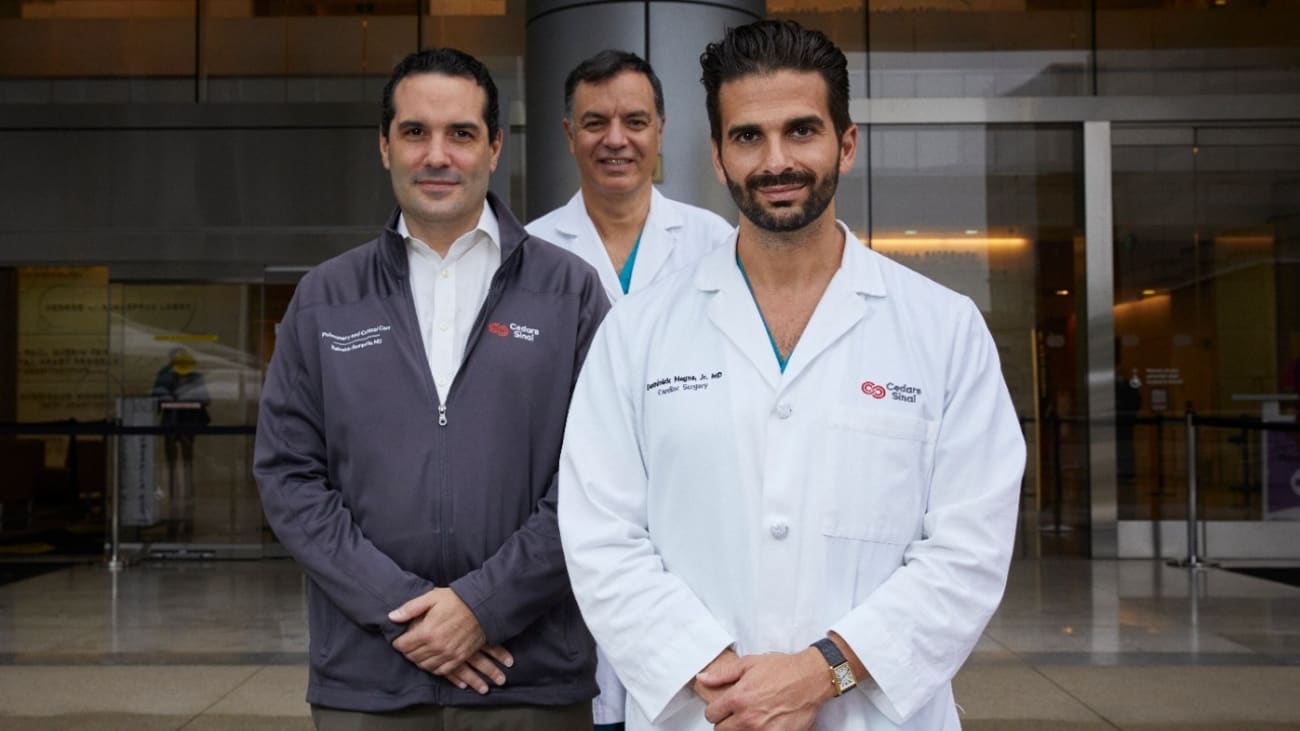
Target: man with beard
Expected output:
[789,480]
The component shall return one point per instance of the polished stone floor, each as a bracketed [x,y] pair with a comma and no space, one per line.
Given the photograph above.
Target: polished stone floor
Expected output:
[1076,645]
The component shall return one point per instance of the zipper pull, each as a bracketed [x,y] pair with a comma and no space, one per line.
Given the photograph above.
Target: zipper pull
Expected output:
[442,415]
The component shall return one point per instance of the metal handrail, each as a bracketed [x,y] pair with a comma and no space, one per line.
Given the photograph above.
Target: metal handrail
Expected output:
[73,428]
[111,430]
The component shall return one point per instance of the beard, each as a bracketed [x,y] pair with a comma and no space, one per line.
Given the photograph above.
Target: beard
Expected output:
[821,191]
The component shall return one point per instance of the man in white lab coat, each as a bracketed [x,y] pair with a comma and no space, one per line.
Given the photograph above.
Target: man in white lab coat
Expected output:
[617,221]
[789,481]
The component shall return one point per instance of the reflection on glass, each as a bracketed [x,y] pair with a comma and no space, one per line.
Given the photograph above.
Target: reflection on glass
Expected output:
[184,356]
[113,41]
[300,51]
[181,395]
[57,319]
[1207,276]
[992,212]
[1175,47]
[978,48]
[248,50]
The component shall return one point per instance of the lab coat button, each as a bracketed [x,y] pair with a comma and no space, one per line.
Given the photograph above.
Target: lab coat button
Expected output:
[780,530]
[783,411]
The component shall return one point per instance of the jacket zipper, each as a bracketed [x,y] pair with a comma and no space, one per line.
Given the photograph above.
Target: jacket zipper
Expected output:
[495,290]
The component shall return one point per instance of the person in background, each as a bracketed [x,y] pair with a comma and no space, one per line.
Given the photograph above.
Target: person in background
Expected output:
[618,221]
[182,402]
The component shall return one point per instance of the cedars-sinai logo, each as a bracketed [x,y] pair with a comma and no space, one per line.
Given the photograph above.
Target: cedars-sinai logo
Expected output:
[514,330]
[895,391]
[874,390]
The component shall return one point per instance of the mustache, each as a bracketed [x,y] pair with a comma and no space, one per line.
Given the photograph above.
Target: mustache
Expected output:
[433,175]
[789,177]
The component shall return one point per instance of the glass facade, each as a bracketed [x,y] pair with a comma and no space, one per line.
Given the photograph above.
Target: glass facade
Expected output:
[230,138]
[187,355]
[1207,232]
[239,51]
[993,212]
[978,49]
[1173,47]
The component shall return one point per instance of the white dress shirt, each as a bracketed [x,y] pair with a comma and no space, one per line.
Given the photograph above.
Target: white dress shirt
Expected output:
[449,292]
[707,499]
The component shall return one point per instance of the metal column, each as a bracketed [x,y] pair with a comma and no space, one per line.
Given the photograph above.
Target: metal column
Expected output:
[1099,265]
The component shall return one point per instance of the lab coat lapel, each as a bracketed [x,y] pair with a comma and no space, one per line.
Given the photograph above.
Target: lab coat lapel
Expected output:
[732,310]
[586,243]
[846,301]
[658,237]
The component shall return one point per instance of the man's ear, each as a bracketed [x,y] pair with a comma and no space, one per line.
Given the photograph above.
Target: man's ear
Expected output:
[383,149]
[497,143]
[717,162]
[569,131]
[848,149]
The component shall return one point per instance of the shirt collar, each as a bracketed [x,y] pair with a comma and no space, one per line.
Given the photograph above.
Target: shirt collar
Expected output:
[660,215]
[862,264]
[859,263]
[487,223]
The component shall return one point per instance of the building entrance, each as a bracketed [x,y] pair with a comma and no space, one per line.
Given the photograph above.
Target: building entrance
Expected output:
[995,212]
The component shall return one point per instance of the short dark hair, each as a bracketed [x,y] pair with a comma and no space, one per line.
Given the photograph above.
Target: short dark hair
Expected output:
[768,46]
[606,65]
[448,62]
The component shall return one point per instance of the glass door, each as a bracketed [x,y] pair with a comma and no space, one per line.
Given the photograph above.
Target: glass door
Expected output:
[995,212]
[184,368]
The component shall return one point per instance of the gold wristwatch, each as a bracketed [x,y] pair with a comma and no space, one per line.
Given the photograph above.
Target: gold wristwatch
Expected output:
[841,672]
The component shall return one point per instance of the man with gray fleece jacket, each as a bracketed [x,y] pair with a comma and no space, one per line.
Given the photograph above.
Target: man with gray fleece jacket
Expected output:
[409,437]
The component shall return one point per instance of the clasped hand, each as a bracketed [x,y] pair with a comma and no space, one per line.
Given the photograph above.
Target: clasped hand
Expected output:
[775,691]
[444,637]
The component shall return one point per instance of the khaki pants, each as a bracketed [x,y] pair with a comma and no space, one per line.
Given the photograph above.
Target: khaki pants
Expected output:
[576,717]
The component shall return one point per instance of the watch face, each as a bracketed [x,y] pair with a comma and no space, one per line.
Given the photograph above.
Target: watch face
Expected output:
[844,677]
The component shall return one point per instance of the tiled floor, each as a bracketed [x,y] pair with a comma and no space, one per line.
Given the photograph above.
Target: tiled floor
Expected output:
[1076,645]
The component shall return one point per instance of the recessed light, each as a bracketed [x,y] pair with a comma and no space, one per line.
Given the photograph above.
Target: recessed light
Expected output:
[910,232]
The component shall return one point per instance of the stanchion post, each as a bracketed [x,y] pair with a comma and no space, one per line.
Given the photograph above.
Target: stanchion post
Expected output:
[114,501]
[1193,555]
[1193,559]
[1058,474]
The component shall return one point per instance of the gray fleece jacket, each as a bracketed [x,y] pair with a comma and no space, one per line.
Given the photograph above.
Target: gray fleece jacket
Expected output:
[382,492]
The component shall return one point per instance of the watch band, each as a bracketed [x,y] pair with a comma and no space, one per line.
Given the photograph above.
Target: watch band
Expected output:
[842,678]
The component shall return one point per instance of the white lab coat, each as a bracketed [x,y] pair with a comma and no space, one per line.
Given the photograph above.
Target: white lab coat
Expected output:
[674,237]
[706,499]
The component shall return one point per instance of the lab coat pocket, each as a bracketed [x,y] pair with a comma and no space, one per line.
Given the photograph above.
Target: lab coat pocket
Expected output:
[877,467]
